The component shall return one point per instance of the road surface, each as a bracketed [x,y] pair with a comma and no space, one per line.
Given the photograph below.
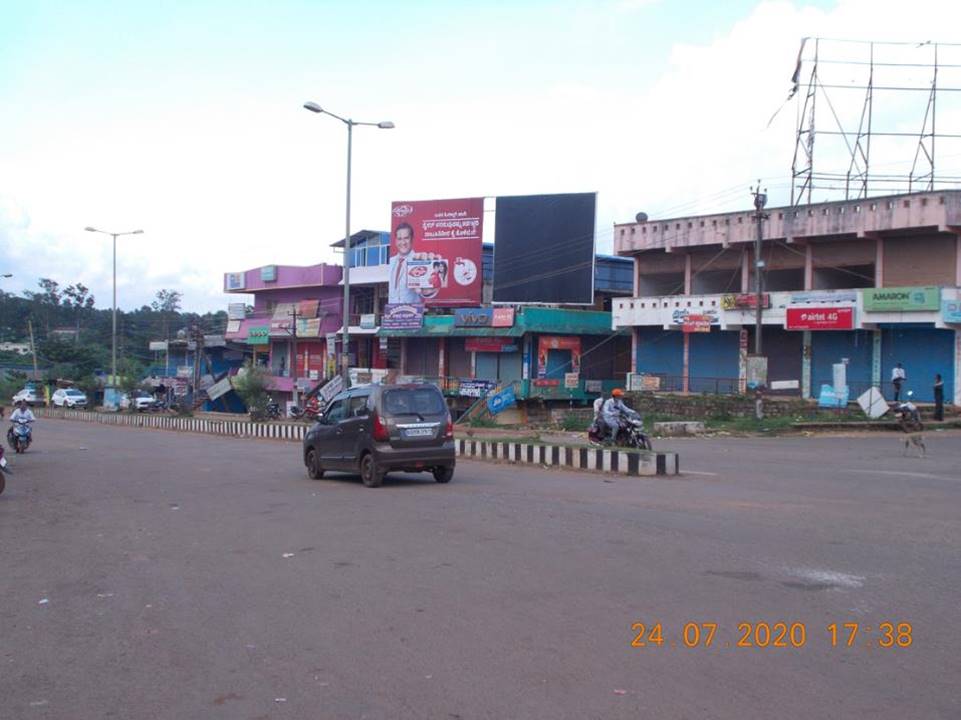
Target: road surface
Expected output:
[151,574]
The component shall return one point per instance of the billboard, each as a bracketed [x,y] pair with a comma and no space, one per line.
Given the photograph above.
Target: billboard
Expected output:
[435,252]
[544,249]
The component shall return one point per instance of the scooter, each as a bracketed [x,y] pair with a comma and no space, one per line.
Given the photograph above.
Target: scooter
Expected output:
[19,436]
[4,469]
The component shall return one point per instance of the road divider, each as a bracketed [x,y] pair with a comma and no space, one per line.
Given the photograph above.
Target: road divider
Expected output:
[614,460]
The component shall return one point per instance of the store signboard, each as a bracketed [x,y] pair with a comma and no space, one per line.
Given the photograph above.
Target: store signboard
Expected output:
[234,281]
[236,311]
[219,388]
[819,318]
[501,400]
[368,321]
[572,381]
[268,273]
[490,344]
[503,317]
[744,301]
[697,324]
[951,311]
[902,299]
[402,316]
[475,388]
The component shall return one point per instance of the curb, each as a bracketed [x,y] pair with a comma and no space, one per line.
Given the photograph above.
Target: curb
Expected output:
[624,462]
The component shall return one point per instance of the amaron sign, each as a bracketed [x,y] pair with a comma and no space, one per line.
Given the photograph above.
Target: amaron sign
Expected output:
[435,252]
[819,318]
[902,299]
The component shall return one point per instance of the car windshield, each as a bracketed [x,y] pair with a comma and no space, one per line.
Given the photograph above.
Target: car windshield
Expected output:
[413,401]
[74,393]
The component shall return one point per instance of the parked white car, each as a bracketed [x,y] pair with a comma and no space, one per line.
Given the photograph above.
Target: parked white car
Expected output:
[69,397]
[30,395]
[141,401]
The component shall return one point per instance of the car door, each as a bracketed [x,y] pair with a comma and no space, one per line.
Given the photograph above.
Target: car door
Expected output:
[356,426]
[329,433]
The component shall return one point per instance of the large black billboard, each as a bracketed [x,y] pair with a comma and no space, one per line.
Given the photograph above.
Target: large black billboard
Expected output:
[544,249]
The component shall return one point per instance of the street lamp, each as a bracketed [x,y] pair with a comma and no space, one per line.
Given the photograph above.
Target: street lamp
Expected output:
[114,236]
[384,125]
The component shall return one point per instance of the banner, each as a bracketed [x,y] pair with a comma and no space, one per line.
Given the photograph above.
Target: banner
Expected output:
[490,344]
[236,311]
[475,388]
[219,388]
[744,301]
[902,299]
[546,343]
[501,400]
[402,316]
[697,324]
[950,312]
[435,252]
[822,318]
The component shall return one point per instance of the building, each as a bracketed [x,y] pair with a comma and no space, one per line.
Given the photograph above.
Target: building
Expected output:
[464,352]
[863,283]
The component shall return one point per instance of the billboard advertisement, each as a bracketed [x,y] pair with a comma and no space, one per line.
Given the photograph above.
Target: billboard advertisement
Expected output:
[544,249]
[546,343]
[435,252]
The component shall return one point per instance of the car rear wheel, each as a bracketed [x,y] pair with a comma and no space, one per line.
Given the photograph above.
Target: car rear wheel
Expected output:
[371,475]
[444,473]
[314,470]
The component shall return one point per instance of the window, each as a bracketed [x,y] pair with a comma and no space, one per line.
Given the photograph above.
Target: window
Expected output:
[358,406]
[426,401]
[371,251]
[335,413]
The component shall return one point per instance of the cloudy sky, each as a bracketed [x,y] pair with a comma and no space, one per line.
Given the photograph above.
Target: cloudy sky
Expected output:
[185,118]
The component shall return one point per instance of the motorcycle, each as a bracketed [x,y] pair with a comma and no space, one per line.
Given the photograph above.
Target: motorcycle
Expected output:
[19,436]
[311,411]
[630,433]
[272,410]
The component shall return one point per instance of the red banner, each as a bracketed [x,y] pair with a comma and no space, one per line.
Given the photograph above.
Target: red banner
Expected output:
[435,252]
[490,344]
[697,323]
[820,318]
[503,317]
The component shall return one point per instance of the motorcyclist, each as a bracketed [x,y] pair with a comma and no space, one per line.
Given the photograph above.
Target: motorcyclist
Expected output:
[21,414]
[613,411]
[909,410]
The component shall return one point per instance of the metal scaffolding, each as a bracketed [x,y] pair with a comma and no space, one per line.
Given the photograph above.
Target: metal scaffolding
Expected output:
[842,83]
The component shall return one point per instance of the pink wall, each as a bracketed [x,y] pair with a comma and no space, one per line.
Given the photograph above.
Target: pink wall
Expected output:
[289,276]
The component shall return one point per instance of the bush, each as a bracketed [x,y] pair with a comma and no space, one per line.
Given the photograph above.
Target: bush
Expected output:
[250,384]
[573,421]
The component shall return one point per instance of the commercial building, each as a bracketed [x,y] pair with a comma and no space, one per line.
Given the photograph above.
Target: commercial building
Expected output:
[864,283]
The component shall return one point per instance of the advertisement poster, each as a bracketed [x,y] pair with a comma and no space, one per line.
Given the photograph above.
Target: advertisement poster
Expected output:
[435,252]
[819,318]
[697,323]
[902,299]
[546,343]
[501,400]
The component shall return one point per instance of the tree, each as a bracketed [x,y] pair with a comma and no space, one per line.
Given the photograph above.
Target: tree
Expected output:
[45,302]
[167,303]
[251,385]
[78,298]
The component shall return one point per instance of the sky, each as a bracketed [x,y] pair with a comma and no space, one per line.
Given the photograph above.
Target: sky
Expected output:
[185,119]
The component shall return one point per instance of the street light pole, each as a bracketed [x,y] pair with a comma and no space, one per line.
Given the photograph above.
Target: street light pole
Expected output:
[384,125]
[113,369]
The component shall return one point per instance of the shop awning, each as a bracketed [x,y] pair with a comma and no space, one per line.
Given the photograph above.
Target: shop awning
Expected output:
[552,321]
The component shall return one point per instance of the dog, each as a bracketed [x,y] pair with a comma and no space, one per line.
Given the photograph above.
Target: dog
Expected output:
[916,439]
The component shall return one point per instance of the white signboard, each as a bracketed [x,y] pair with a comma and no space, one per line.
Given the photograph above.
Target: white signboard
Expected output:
[236,311]
[234,281]
[333,386]
[184,371]
[572,380]
[873,404]
[219,388]
[158,345]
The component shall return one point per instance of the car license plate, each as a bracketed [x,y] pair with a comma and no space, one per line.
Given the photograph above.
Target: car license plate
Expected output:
[418,432]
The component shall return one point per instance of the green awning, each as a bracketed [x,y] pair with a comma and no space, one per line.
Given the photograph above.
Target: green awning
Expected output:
[551,321]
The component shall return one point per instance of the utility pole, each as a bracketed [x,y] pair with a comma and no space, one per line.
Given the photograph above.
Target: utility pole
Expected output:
[760,200]
[293,350]
[33,349]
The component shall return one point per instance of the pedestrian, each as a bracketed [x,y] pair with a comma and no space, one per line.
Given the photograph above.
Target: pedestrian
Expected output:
[938,397]
[898,377]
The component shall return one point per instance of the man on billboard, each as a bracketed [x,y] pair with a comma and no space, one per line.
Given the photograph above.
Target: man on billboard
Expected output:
[397,288]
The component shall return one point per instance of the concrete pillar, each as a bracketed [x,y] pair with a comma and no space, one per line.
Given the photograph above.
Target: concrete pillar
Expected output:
[806,360]
[876,358]
[957,262]
[957,367]
[441,352]
[688,275]
[403,356]
[742,338]
[808,267]
[473,365]
[879,262]
[635,343]
[746,270]
[685,377]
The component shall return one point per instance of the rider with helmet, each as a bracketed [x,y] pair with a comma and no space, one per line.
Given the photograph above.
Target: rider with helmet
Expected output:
[613,410]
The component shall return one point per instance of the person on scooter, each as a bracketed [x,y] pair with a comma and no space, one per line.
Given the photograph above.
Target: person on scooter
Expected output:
[612,412]
[22,413]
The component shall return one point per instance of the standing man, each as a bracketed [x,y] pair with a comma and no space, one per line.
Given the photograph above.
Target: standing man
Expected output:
[898,377]
[397,290]
[938,397]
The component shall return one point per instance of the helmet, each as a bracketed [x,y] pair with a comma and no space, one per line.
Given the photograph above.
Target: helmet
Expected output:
[617,392]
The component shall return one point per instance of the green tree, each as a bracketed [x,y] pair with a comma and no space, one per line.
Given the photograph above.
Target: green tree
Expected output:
[251,385]
[168,305]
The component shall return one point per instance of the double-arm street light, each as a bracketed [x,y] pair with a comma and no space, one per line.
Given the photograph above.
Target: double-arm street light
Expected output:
[385,125]
[114,236]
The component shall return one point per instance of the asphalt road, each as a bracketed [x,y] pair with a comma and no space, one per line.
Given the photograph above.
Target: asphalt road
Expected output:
[149,574]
